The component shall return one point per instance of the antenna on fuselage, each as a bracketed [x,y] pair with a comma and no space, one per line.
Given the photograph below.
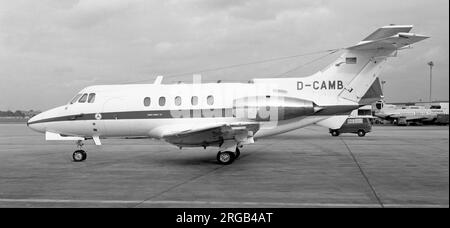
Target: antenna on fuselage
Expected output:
[158,80]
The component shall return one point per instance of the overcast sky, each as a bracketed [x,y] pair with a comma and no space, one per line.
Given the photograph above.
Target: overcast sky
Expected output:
[51,49]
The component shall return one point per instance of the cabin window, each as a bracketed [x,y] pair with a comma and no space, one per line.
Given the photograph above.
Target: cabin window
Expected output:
[178,101]
[83,98]
[162,101]
[194,100]
[91,98]
[147,101]
[354,121]
[210,100]
[75,98]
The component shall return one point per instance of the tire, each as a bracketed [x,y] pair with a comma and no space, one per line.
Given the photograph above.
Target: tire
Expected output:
[79,156]
[225,158]
[361,133]
[335,133]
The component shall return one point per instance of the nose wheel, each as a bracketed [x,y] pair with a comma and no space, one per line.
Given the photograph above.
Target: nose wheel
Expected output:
[79,155]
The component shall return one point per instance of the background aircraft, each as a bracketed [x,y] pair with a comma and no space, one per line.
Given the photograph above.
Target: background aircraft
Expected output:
[404,115]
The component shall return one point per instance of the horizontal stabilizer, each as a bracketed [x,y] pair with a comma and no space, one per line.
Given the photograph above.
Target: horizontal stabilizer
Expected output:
[394,42]
[388,31]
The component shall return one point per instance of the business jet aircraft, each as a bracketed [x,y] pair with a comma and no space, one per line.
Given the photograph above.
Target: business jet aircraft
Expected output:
[227,115]
[409,114]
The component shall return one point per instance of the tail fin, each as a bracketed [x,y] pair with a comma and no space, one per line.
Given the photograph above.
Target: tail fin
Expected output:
[359,66]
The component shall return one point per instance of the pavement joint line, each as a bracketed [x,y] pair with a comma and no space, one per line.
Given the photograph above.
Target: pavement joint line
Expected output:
[363,173]
[187,181]
[177,185]
[174,202]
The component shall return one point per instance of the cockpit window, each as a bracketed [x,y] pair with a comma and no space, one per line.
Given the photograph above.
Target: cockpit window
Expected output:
[75,98]
[83,98]
[91,98]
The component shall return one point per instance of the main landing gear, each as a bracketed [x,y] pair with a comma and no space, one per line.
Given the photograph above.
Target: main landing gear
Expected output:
[79,155]
[228,157]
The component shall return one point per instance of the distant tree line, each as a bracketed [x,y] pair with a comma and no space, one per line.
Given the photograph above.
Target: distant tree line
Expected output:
[18,113]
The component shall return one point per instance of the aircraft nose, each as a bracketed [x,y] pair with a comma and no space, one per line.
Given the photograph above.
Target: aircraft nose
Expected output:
[31,120]
[34,124]
[40,122]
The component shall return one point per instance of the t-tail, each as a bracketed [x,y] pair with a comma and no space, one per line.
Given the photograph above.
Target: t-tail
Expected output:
[352,80]
[358,68]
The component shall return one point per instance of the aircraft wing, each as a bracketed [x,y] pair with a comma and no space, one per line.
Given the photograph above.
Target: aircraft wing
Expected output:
[211,134]
[415,118]
[407,118]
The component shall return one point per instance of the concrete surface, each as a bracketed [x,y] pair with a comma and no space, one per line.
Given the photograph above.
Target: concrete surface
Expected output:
[391,167]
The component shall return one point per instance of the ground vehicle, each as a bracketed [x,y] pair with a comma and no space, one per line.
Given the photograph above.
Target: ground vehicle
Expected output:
[359,126]
[402,121]
[442,119]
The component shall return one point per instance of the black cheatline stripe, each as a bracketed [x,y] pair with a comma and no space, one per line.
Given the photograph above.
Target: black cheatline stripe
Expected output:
[161,114]
[186,113]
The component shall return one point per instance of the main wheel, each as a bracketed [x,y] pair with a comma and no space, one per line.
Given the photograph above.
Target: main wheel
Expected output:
[237,153]
[225,158]
[79,156]
[361,133]
[335,133]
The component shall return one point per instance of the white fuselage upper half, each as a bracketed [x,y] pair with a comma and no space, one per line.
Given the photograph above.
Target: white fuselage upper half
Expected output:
[152,110]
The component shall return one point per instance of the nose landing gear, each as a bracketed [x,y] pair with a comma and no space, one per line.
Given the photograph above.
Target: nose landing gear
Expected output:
[79,155]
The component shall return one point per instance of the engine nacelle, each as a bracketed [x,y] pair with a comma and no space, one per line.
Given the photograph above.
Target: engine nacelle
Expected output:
[270,108]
